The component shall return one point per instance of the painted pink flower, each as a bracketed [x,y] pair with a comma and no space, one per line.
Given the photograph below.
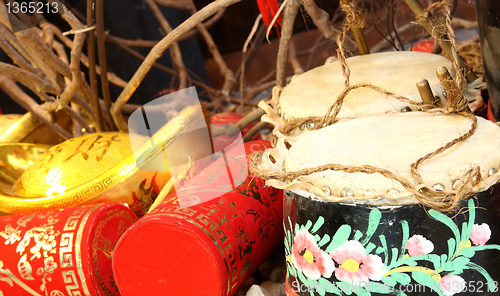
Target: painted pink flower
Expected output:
[309,258]
[418,245]
[355,266]
[480,234]
[452,284]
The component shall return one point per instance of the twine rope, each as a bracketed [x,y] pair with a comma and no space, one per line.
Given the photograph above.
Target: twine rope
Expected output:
[435,199]
[353,18]
[455,87]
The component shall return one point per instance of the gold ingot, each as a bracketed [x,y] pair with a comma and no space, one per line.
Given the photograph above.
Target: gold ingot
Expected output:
[101,167]
[15,158]
[6,122]
[15,128]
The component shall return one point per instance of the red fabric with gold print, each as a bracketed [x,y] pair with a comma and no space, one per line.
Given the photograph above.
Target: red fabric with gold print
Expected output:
[61,252]
[207,249]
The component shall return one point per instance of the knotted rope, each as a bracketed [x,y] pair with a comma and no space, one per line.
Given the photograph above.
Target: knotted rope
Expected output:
[457,104]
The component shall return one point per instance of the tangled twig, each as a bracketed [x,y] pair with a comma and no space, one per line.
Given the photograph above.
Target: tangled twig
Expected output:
[289,15]
[156,53]
[175,51]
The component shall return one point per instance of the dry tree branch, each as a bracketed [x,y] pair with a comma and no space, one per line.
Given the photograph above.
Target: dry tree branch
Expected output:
[155,65]
[390,23]
[179,4]
[69,43]
[76,79]
[78,82]
[101,51]
[132,43]
[266,77]
[78,99]
[45,58]
[78,129]
[94,90]
[252,48]
[263,86]
[224,70]
[321,19]
[9,36]
[40,48]
[289,15]
[49,37]
[388,39]
[57,46]
[233,129]
[175,51]
[140,56]
[4,17]
[297,68]
[151,43]
[15,56]
[254,130]
[385,42]
[212,47]
[77,26]
[241,70]
[463,23]
[320,42]
[76,116]
[8,85]
[157,52]
[36,84]
[207,24]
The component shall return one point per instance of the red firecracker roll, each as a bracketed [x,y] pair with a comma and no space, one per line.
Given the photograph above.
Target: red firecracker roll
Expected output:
[207,249]
[61,252]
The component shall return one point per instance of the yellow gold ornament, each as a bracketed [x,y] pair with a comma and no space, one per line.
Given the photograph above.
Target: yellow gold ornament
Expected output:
[96,168]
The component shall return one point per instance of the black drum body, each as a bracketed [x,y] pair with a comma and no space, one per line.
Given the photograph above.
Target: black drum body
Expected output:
[344,249]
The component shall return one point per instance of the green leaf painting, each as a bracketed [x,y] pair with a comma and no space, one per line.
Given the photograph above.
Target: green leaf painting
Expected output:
[355,262]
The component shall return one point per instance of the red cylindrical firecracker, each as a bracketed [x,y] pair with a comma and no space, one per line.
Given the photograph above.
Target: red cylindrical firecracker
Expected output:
[61,252]
[205,249]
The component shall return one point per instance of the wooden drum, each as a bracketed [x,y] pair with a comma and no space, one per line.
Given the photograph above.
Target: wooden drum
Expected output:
[359,222]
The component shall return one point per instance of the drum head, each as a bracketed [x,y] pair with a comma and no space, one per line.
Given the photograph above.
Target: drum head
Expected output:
[390,142]
[312,93]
